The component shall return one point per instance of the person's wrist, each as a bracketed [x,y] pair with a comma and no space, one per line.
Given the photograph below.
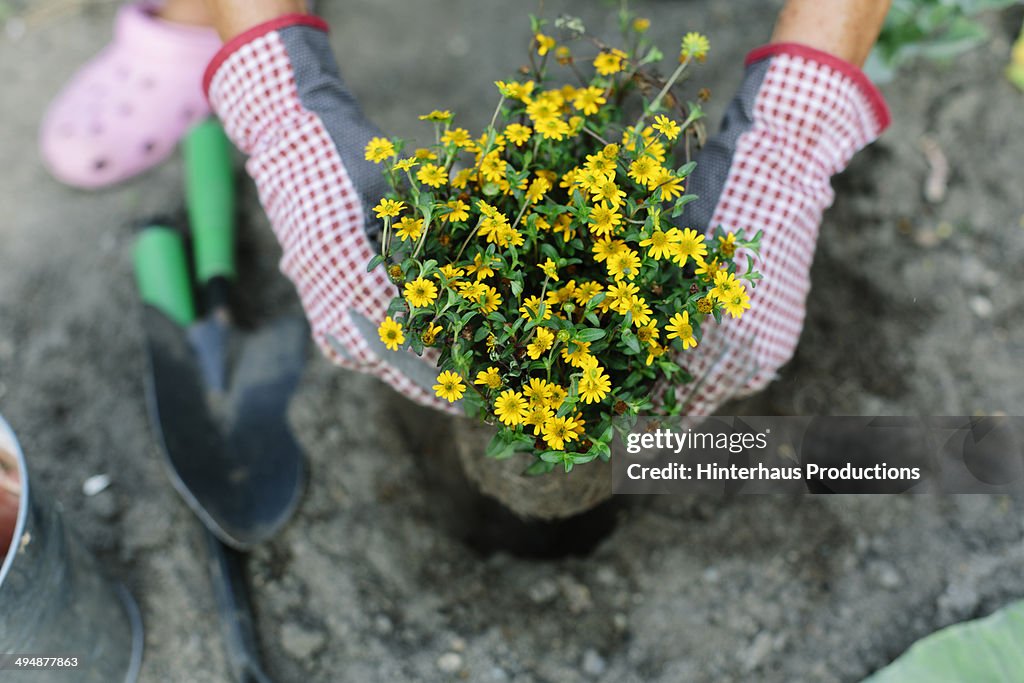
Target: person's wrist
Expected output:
[234,17]
[846,29]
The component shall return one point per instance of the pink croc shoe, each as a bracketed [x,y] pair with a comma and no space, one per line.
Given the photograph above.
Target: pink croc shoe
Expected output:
[126,109]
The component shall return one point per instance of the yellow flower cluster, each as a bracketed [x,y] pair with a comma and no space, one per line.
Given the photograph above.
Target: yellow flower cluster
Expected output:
[543,259]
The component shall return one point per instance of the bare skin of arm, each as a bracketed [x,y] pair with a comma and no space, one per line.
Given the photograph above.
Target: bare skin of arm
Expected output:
[847,29]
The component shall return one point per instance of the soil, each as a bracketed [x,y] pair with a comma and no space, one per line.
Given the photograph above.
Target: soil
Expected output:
[916,309]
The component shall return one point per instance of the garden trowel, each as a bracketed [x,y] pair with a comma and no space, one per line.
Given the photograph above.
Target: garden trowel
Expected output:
[223,424]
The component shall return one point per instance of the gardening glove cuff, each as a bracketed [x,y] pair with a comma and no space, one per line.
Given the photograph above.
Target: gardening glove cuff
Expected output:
[281,99]
[799,117]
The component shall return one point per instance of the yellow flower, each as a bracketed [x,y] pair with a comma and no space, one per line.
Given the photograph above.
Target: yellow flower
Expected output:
[379,149]
[481,266]
[561,296]
[438,115]
[531,308]
[550,269]
[456,136]
[705,305]
[640,310]
[687,244]
[736,302]
[648,334]
[538,188]
[563,54]
[655,351]
[640,24]
[585,292]
[589,100]
[489,300]
[557,396]
[510,408]
[518,134]
[727,245]
[563,227]
[605,248]
[552,128]
[432,174]
[668,184]
[410,228]
[595,384]
[619,295]
[406,164]
[514,90]
[601,164]
[643,170]
[542,342]
[493,167]
[608,63]
[623,264]
[489,378]
[696,46]
[429,335]
[609,192]
[544,108]
[538,391]
[458,210]
[471,291]
[578,356]
[558,431]
[537,416]
[388,208]
[462,178]
[449,386]
[603,220]
[544,43]
[707,269]
[666,126]
[659,245]
[679,327]
[424,154]
[420,293]
[451,272]
[390,333]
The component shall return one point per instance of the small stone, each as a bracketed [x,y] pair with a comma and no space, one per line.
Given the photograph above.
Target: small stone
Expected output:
[576,594]
[383,625]
[301,642]
[458,644]
[888,577]
[498,675]
[593,663]
[981,306]
[606,576]
[621,622]
[449,662]
[543,591]
[95,484]
[754,655]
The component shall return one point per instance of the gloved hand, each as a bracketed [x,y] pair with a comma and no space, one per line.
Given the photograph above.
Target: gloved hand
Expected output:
[281,99]
[799,116]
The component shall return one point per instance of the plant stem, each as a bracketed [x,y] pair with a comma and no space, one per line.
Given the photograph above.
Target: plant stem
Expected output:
[656,102]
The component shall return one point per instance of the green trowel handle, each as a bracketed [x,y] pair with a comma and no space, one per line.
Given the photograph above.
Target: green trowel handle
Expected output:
[161,273]
[210,194]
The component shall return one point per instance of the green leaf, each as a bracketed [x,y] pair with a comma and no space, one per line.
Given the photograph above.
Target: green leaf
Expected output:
[590,334]
[539,467]
[374,262]
[506,443]
[630,340]
[986,649]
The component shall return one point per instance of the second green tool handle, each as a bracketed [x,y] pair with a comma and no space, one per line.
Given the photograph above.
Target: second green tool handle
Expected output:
[210,196]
